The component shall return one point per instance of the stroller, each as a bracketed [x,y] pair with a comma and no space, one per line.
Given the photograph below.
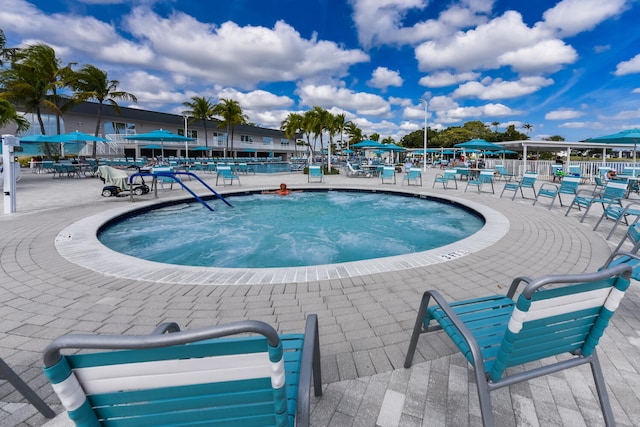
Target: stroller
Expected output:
[119,183]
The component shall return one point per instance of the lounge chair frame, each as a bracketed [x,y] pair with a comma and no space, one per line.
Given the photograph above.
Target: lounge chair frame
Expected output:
[496,332]
[614,192]
[504,173]
[388,173]
[194,376]
[315,172]
[485,177]
[569,185]
[414,174]
[14,379]
[445,178]
[227,175]
[528,181]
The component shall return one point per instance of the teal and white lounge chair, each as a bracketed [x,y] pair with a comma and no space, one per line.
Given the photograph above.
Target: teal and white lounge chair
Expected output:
[614,192]
[199,377]
[388,173]
[485,178]
[227,175]
[569,185]
[315,172]
[527,181]
[559,315]
[445,178]
[504,173]
[618,213]
[415,175]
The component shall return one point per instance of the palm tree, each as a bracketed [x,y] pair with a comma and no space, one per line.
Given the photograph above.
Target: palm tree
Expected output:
[33,80]
[8,115]
[495,124]
[200,108]
[291,126]
[354,132]
[319,121]
[340,121]
[91,83]
[528,128]
[307,128]
[231,113]
[6,53]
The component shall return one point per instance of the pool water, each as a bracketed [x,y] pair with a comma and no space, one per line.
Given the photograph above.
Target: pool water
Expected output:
[302,229]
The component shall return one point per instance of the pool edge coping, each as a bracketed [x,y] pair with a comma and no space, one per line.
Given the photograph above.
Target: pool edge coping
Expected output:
[78,243]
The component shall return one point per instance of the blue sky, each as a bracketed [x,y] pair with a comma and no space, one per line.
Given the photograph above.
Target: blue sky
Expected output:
[568,68]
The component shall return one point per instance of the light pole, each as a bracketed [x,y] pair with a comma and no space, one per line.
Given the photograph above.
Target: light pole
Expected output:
[186,142]
[424,156]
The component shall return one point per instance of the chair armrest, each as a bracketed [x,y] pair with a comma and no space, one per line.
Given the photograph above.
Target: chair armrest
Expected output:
[166,327]
[469,338]
[514,285]
[309,365]
[549,184]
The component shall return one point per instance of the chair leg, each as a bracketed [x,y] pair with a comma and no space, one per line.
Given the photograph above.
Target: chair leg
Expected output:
[484,397]
[417,329]
[601,387]
[586,211]
[7,373]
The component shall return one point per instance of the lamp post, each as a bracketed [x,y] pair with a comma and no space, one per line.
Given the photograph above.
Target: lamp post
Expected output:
[186,142]
[424,156]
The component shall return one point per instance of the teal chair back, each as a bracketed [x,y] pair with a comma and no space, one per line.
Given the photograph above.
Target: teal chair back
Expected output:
[388,173]
[196,377]
[315,172]
[575,170]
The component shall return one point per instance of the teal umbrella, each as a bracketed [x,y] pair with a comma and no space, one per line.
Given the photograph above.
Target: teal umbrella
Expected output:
[479,144]
[161,136]
[369,143]
[76,136]
[625,137]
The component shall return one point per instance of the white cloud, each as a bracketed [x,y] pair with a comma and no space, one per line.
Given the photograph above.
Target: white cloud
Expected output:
[445,78]
[383,77]
[480,47]
[570,17]
[631,66]
[545,56]
[238,56]
[563,114]
[326,96]
[461,114]
[499,89]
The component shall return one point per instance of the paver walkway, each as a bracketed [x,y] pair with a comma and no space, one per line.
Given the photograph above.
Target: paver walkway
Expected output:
[365,321]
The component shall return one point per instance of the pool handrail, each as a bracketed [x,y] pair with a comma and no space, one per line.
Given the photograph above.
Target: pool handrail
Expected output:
[173,176]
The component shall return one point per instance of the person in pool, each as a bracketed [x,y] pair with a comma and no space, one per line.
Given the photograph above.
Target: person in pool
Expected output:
[282,191]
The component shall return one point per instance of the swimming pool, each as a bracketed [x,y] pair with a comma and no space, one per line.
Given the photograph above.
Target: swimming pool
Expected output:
[302,229]
[78,243]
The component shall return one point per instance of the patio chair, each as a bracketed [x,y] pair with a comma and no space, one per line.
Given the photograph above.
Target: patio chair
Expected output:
[353,172]
[569,185]
[599,184]
[388,173]
[617,213]
[485,177]
[163,178]
[614,191]
[527,181]
[464,173]
[449,175]
[227,175]
[6,373]
[414,175]
[197,377]
[499,332]
[504,173]
[315,172]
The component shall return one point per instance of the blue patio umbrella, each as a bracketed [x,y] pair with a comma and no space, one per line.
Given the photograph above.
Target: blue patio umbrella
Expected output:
[369,143]
[76,136]
[625,137]
[479,144]
[160,135]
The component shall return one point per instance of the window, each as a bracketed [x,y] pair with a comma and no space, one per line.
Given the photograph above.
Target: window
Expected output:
[267,140]
[246,138]
[284,141]
[190,133]
[119,128]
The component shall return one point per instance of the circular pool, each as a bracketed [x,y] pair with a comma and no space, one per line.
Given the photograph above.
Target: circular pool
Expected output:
[78,243]
[302,229]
